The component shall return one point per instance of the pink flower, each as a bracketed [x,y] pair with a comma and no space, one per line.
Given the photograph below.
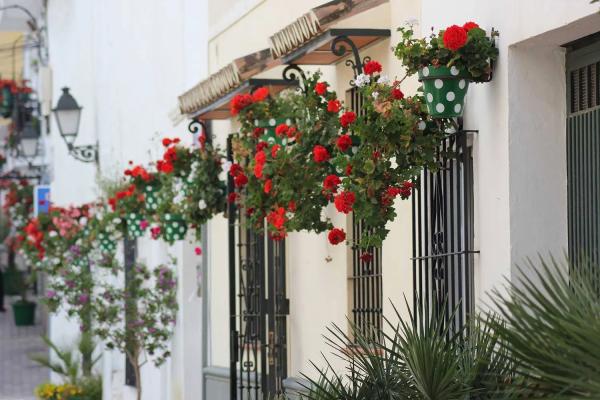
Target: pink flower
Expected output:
[143,224]
[198,251]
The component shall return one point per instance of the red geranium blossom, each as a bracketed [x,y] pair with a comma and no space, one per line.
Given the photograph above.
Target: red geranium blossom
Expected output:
[258,170]
[331,183]
[321,88]
[455,37]
[232,197]
[397,94]
[292,206]
[344,202]
[235,169]
[320,154]
[261,145]
[406,189]
[260,94]
[347,118]
[366,257]
[334,106]
[277,218]
[372,67]
[166,142]
[274,150]
[336,236]
[268,186]
[260,157]
[343,142]
[240,180]
[239,102]
[348,169]
[258,132]
[281,129]
[470,25]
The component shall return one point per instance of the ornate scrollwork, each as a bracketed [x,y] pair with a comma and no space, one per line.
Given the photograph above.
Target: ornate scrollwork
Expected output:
[340,49]
[195,125]
[87,153]
[292,73]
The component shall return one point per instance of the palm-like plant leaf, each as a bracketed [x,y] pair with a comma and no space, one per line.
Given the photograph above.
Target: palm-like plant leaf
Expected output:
[551,329]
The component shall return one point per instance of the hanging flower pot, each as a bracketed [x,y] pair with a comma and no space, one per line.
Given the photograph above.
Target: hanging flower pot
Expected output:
[174,227]
[107,244]
[151,195]
[445,89]
[269,127]
[134,228]
[6,105]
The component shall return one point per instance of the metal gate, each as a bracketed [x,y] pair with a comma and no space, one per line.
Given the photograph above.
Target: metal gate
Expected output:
[583,150]
[258,310]
[442,229]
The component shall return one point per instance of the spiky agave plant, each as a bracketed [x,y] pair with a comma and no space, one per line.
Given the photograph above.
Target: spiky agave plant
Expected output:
[415,361]
[551,329]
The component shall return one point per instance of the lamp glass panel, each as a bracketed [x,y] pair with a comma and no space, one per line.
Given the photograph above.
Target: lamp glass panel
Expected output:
[29,147]
[68,121]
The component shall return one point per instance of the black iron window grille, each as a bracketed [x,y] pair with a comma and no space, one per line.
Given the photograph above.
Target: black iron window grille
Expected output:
[442,231]
[258,310]
[583,152]
[365,275]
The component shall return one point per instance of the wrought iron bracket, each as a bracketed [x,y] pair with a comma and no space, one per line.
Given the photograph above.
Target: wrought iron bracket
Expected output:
[195,125]
[88,153]
[341,46]
[293,72]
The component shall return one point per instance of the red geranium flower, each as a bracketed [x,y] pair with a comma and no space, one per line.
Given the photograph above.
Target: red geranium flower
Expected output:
[166,142]
[336,236]
[292,206]
[258,132]
[260,94]
[274,150]
[397,94]
[277,218]
[320,154]
[260,157]
[344,202]
[239,102]
[331,183]
[281,129]
[406,189]
[235,169]
[261,145]
[232,197]
[343,142]
[470,25]
[347,118]
[240,180]
[372,67]
[334,106]
[348,169]
[321,88]
[455,37]
[366,257]
[258,170]
[268,186]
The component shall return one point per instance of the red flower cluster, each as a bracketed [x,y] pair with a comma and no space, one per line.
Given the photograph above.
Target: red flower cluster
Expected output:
[277,219]
[343,142]
[321,88]
[268,186]
[372,67]
[285,130]
[455,37]
[331,183]
[241,101]
[397,94]
[334,106]
[260,158]
[320,154]
[347,118]
[168,142]
[274,150]
[170,155]
[470,25]
[120,195]
[405,190]
[336,236]
[239,178]
[35,237]
[258,132]
[139,172]
[344,201]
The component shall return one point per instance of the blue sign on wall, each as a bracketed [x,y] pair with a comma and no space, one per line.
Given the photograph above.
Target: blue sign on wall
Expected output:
[41,199]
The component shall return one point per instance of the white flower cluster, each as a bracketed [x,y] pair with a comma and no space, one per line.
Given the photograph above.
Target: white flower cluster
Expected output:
[362,80]
[384,80]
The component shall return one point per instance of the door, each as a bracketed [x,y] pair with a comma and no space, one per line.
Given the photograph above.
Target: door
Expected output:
[258,310]
[583,150]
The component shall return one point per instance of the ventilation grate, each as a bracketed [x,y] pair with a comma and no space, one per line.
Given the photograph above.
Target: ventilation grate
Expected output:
[585,87]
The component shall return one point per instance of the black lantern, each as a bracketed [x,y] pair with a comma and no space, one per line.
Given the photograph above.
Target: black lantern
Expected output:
[68,114]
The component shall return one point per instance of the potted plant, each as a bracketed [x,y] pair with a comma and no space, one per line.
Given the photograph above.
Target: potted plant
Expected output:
[24,309]
[447,62]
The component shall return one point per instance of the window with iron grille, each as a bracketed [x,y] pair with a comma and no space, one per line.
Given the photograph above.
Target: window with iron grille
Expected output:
[365,273]
[583,150]
[442,208]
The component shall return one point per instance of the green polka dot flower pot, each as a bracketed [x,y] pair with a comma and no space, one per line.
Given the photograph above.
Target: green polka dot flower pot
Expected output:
[151,196]
[134,228]
[107,245]
[445,89]
[269,126]
[174,227]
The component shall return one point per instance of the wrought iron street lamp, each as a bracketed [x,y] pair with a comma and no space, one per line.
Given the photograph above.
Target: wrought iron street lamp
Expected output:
[29,140]
[68,114]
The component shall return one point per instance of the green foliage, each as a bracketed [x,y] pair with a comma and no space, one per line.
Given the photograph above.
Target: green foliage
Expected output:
[413,361]
[475,56]
[552,328]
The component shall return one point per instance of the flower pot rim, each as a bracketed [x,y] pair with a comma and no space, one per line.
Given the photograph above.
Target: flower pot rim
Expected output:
[22,302]
[443,72]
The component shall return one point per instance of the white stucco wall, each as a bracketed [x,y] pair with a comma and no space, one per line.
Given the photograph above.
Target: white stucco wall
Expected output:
[126,63]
